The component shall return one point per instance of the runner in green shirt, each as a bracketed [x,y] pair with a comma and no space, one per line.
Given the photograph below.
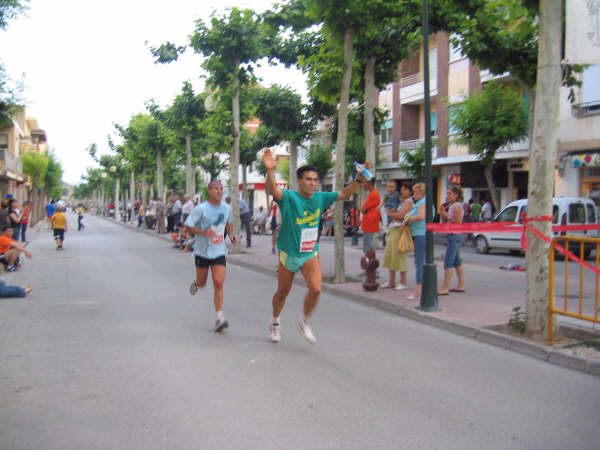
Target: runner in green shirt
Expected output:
[297,241]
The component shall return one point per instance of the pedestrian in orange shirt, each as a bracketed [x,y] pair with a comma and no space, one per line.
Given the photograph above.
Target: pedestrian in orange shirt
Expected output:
[371,216]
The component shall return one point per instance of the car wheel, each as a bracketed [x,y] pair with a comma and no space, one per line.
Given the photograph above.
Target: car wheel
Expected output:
[481,245]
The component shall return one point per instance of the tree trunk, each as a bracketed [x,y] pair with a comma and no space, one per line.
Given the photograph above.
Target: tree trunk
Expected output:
[144,187]
[541,160]
[159,177]
[132,192]
[234,161]
[487,171]
[190,186]
[293,165]
[117,215]
[340,276]
[245,182]
[368,126]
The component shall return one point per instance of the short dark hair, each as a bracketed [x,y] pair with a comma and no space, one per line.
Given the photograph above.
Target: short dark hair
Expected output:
[408,185]
[305,168]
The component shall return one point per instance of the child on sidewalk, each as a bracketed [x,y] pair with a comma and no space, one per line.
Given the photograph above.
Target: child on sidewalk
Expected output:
[59,226]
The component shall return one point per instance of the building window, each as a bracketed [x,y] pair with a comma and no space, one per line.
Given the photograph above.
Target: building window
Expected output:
[385,135]
[3,145]
[452,110]
[455,48]
[590,88]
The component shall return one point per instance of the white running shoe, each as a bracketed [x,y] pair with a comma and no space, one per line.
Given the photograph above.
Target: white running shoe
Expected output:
[400,287]
[194,287]
[306,331]
[387,285]
[220,324]
[275,334]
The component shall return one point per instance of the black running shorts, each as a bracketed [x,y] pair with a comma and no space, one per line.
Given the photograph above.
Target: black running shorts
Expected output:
[203,263]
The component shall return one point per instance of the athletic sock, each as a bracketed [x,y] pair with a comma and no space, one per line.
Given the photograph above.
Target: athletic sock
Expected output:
[220,315]
[275,320]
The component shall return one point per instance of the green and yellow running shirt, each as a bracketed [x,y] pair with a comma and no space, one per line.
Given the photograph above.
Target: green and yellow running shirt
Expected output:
[300,221]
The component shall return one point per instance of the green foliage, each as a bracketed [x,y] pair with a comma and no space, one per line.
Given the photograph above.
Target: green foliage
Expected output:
[320,157]
[53,178]
[490,119]
[231,44]
[35,164]
[284,169]
[281,110]
[413,163]
[167,52]
[517,320]
[11,9]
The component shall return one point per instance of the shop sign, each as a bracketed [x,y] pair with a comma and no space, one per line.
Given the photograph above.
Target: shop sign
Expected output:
[587,160]
[455,179]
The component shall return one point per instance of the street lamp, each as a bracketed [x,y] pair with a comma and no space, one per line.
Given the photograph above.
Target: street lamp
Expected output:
[429,299]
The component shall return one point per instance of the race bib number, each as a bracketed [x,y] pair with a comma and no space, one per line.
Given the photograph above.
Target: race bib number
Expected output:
[218,239]
[308,239]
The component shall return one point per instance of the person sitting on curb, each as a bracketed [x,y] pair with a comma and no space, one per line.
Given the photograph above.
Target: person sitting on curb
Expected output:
[10,250]
[7,290]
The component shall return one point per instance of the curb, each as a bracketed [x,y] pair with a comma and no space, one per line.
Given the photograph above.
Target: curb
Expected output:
[522,346]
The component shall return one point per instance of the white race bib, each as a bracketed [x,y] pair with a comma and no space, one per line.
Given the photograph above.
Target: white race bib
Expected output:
[220,230]
[308,239]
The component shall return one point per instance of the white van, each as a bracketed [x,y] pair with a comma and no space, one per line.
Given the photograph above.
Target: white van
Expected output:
[565,211]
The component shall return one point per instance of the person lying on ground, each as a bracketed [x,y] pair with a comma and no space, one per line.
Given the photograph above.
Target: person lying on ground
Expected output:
[7,290]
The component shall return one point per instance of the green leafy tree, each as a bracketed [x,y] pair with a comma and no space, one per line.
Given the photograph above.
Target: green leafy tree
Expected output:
[413,163]
[282,112]
[231,44]
[35,165]
[489,120]
[159,139]
[53,176]
[183,117]
[320,157]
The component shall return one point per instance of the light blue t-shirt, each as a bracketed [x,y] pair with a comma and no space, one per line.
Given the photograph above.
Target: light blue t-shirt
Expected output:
[417,228]
[205,216]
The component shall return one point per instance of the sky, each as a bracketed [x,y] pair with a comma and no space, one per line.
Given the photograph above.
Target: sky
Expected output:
[85,65]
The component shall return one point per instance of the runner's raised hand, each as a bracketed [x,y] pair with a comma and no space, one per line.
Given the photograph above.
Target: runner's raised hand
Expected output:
[270,162]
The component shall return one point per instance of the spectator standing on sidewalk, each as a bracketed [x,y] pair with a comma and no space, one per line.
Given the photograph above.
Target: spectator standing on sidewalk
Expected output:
[246,219]
[186,208]
[170,216]
[25,220]
[475,210]
[176,209]
[393,259]
[416,221]
[10,250]
[454,215]
[371,216]
[487,211]
[14,216]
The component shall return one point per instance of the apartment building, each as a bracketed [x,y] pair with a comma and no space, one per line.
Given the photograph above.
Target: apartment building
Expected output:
[21,135]
[453,78]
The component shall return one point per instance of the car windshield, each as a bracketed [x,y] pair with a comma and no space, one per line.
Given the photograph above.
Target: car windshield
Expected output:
[508,214]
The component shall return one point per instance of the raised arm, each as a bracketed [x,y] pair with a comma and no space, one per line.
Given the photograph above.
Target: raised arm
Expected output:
[270,164]
[349,190]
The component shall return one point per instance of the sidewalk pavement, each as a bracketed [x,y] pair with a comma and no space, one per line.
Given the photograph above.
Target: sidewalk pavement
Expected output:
[488,302]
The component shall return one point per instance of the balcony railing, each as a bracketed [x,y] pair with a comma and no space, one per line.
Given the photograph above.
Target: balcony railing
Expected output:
[410,145]
[411,79]
[586,109]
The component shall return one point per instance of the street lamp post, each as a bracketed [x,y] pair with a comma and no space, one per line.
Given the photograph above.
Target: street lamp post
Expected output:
[429,299]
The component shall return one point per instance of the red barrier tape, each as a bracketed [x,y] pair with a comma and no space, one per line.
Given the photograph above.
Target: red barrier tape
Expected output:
[517,227]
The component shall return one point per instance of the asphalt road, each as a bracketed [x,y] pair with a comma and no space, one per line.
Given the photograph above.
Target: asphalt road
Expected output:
[111,352]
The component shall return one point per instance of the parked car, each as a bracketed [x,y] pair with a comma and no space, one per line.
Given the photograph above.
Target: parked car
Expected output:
[565,211]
